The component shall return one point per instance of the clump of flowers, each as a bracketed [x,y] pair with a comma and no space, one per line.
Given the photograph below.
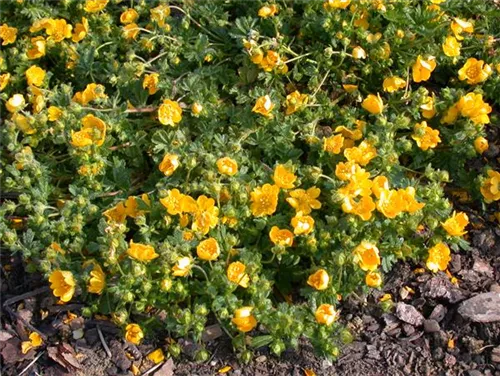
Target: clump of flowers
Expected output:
[249,166]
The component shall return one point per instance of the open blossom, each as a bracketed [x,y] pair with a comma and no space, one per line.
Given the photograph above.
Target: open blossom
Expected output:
[333,144]
[361,154]
[62,284]
[142,252]
[55,113]
[129,16]
[196,109]
[283,177]
[336,4]
[169,164]
[244,320]
[264,200]
[159,14]
[423,68]
[206,215]
[358,53]
[58,30]
[302,224]
[326,314]
[473,107]
[174,201]
[15,103]
[456,224]
[8,34]
[236,274]
[304,201]
[481,144]
[93,131]
[373,104]
[92,92]
[182,267]
[156,356]
[451,46]
[81,30]
[459,26]
[282,237]
[208,249]
[427,108]
[37,50]
[392,84]
[169,113]
[373,279]
[268,11]
[367,255]
[151,83]
[439,257]
[35,340]
[474,71]
[426,137]
[295,101]
[94,6]
[491,187]
[263,106]
[97,280]
[227,166]
[319,280]
[134,334]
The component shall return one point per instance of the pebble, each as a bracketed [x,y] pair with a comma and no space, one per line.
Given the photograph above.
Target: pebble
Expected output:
[474,372]
[449,360]
[78,333]
[495,355]
[438,313]
[261,359]
[483,308]
[409,314]
[495,287]
[431,326]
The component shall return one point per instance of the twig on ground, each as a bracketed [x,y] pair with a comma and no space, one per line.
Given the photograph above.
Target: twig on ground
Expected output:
[31,363]
[12,313]
[104,344]
[152,369]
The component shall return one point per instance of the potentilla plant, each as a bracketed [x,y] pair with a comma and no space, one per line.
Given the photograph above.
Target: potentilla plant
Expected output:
[250,166]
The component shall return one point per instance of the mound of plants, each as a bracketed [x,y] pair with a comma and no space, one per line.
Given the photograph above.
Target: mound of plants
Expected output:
[177,164]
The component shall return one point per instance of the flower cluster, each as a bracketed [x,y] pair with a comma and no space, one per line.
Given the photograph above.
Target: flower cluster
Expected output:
[250,166]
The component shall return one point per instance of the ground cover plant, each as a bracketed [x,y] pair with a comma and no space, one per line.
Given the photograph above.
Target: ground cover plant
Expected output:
[247,165]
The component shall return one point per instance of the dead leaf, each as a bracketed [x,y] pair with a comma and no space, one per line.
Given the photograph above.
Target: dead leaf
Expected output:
[167,369]
[65,356]
[5,336]
[211,332]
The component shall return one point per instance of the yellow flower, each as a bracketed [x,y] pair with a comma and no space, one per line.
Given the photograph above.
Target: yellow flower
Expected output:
[474,71]
[408,197]
[58,30]
[208,249]
[363,207]
[35,340]
[326,314]
[367,256]
[319,280]
[390,203]
[130,31]
[141,252]
[439,257]
[129,16]
[361,154]
[302,224]
[456,224]
[206,215]
[23,123]
[92,92]
[182,267]
[94,6]
[451,115]
[236,273]
[151,83]
[196,109]
[227,166]
[336,4]
[373,38]
[62,284]
[264,200]
[173,202]
[38,48]
[116,213]
[169,164]
[459,26]
[451,46]
[473,107]
[380,183]
[281,237]
[373,279]
[268,11]
[170,113]
[345,170]
[481,144]
[304,201]
[15,103]
[4,80]
[491,187]
[422,69]
[8,34]
[156,356]
[81,30]
[159,14]
[358,53]
[134,334]
[428,110]
[97,280]
[392,84]
[244,320]
[92,132]
[263,106]
[295,101]
[373,104]
[333,144]
[426,137]
[283,177]
[350,88]
[55,113]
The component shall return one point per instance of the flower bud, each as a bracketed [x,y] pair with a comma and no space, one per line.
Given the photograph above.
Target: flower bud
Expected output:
[277,347]
[138,269]
[128,297]
[175,350]
[166,284]
[246,356]
[140,306]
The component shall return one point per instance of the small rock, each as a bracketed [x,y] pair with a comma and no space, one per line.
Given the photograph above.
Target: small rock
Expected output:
[408,329]
[4,336]
[78,333]
[438,354]
[483,308]
[211,332]
[495,355]
[438,313]
[431,326]
[449,360]
[77,323]
[409,314]
[261,359]
[440,287]
[92,336]
[482,267]
[167,369]
[495,287]
[455,264]
[474,372]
